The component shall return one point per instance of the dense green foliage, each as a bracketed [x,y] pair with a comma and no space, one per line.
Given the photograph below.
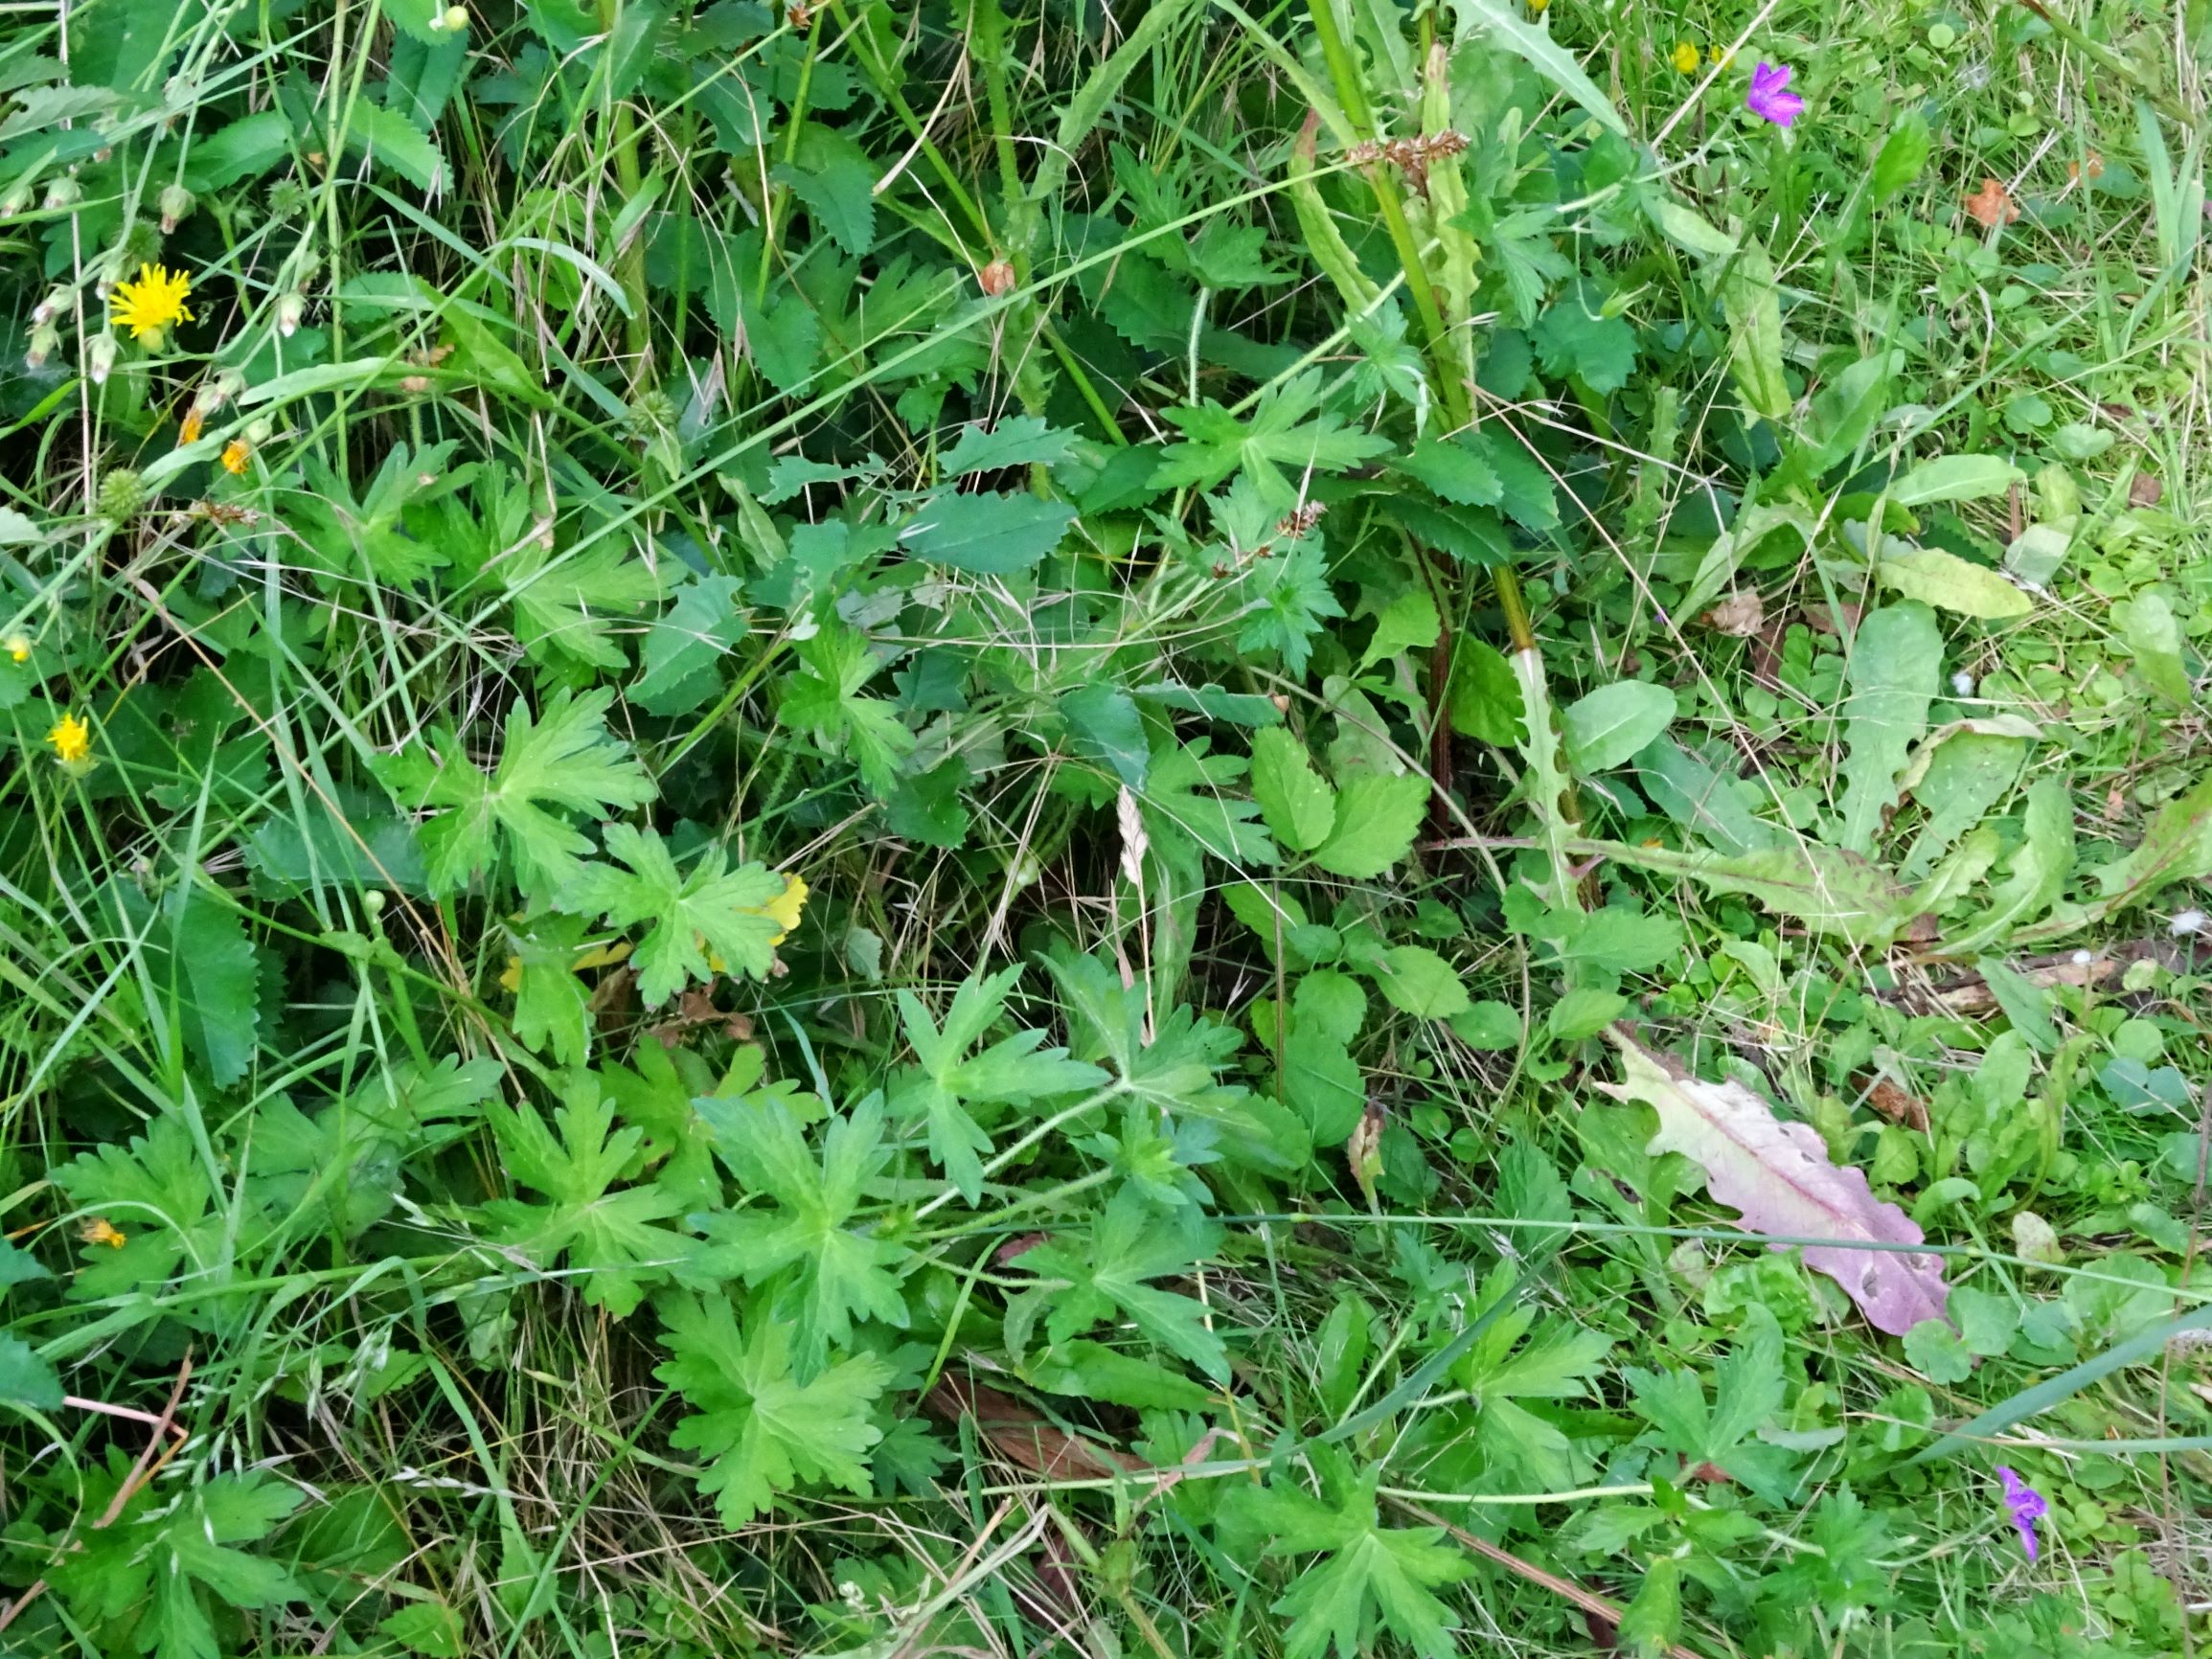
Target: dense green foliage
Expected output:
[1029,831]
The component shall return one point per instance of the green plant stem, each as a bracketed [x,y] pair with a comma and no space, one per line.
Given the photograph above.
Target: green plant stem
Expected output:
[987,24]
[629,270]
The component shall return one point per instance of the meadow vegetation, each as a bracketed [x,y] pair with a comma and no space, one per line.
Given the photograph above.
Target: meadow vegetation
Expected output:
[1018,828]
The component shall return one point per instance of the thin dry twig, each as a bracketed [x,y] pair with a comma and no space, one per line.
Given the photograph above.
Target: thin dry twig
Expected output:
[142,1472]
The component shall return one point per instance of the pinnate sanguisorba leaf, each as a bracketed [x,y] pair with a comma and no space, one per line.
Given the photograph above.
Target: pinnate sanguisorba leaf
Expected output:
[1780,1179]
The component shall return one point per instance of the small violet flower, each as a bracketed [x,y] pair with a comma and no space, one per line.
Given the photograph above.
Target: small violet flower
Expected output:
[2026,1506]
[1770,98]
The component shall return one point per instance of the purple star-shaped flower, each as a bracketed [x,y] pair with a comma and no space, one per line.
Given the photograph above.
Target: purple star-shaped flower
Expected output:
[1770,98]
[2026,1506]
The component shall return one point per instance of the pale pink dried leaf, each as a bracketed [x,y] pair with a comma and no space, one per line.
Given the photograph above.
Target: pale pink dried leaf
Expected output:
[1740,616]
[1779,1177]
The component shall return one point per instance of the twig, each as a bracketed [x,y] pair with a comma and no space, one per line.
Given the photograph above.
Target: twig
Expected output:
[1588,1600]
[142,1472]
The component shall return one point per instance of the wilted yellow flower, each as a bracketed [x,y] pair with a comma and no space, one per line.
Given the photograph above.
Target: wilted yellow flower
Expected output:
[236,454]
[71,739]
[194,420]
[1687,57]
[18,648]
[100,1231]
[598,956]
[784,909]
[151,302]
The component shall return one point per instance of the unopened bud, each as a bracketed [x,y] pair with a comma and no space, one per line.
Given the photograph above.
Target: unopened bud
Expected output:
[52,307]
[121,493]
[292,308]
[177,204]
[995,278]
[13,203]
[228,384]
[456,18]
[45,341]
[100,360]
[64,193]
[260,432]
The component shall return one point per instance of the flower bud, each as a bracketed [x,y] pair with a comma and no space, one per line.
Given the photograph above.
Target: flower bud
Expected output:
[55,303]
[64,193]
[45,341]
[100,358]
[456,18]
[228,384]
[260,431]
[121,493]
[13,203]
[292,308]
[177,204]
[995,278]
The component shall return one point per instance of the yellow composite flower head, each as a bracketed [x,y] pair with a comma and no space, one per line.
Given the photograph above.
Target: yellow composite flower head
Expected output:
[99,1230]
[151,302]
[236,454]
[1687,57]
[71,739]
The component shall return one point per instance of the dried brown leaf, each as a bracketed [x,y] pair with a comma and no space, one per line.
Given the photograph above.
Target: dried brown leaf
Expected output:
[1992,205]
[1899,1105]
[1739,616]
[1021,1435]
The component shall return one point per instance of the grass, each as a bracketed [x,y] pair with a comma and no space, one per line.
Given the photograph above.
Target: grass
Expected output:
[880,810]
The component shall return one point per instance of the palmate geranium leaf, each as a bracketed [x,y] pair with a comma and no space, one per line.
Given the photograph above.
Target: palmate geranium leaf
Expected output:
[834,1270]
[194,1558]
[709,915]
[1012,1072]
[567,604]
[1112,1272]
[825,699]
[1288,435]
[764,1431]
[565,762]
[1372,1572]
[612,1238]
[1748,1390]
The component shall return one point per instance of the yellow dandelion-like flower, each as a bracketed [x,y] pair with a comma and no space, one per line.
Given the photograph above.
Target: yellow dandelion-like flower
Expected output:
[1717,55]
[1687,57]
[18,648]
[151,302]
[71,739]
[236,454]
[102,1231]
[189,433]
